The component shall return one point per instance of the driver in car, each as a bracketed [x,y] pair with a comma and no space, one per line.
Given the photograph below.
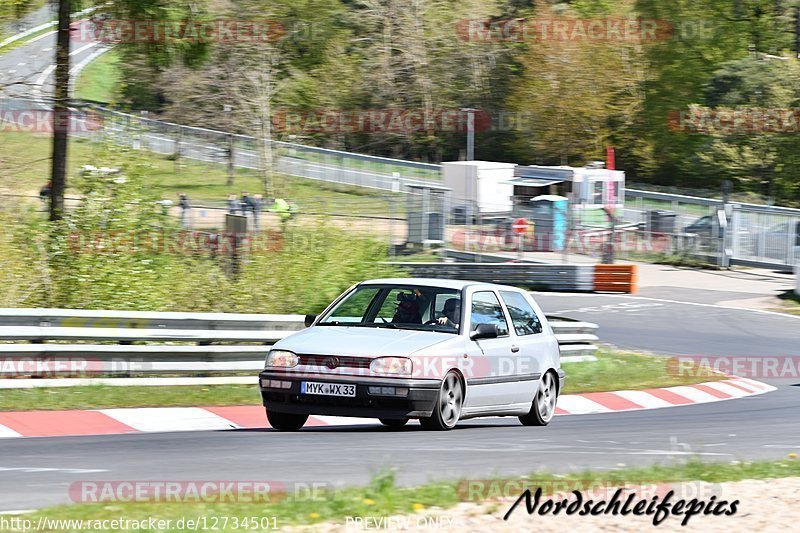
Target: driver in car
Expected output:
[452,312]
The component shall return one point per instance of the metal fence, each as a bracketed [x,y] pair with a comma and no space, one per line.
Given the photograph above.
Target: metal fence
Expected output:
[242,151]
[758,235]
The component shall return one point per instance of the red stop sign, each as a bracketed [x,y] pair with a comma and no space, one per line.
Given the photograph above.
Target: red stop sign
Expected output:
[520,226]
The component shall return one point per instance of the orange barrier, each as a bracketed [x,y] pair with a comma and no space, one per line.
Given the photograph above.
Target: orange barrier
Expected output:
[615,278]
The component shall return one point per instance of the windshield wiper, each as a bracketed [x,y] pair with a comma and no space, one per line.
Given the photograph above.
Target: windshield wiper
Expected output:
[386,323]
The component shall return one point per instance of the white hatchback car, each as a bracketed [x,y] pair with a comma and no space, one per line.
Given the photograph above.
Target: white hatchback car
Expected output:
[396,349]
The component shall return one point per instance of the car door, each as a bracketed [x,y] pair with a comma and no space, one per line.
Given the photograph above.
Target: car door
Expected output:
[527,335]
[493,382]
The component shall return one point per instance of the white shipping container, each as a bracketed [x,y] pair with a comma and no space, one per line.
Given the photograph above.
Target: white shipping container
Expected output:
[480,183]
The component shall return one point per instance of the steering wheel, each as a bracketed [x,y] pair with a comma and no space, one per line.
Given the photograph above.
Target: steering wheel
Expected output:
[431,322]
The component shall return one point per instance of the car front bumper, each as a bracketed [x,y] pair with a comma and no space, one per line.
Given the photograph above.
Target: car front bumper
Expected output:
[417,402]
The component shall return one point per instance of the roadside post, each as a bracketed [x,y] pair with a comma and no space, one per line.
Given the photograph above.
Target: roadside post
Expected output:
[520,227]
[235,229]
[395,190]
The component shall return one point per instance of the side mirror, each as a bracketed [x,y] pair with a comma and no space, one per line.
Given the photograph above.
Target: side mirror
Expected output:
[310,320]
[484,331]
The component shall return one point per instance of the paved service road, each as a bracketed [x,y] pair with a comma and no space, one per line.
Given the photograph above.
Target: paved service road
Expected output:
[669,327]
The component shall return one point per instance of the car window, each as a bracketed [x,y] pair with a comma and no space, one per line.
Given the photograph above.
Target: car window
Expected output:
[486,309]
[353,308]
[522,314]
[401,306]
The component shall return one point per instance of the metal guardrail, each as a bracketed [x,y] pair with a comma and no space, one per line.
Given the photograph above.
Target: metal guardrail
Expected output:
[535,276]
[123,327]
[531,275]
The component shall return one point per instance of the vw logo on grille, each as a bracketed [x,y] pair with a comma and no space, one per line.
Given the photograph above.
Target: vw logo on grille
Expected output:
[332,362]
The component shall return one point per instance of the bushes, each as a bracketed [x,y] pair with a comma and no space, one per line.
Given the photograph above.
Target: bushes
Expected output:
[89,261]
[40,266]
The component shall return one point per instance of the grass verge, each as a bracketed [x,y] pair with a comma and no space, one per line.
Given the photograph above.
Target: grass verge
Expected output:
[790,303]
[383,498]
[618,370]
[612,371]
[25,40]
[25,159]
[101,80]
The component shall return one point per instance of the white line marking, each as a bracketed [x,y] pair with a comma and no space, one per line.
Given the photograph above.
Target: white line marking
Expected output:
[37,90]
[48,34]
[83,48]
[645,399]
[6,433]
[727,389]
[342,421]
[693,394]
[169,419]
[578,405]
[763,387]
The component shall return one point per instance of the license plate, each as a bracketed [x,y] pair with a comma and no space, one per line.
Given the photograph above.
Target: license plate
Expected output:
[327,389]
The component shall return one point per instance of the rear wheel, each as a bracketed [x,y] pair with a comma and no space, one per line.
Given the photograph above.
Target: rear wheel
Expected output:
[286,421]
[447,409]
[394,422]
[544,403]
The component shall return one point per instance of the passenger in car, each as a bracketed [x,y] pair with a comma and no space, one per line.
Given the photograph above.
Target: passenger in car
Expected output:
[452,312]
[407,313]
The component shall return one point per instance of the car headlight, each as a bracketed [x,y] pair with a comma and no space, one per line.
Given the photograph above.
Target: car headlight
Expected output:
[391,365]
[281,359]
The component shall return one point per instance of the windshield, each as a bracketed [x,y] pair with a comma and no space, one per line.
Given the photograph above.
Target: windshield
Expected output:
[398,307]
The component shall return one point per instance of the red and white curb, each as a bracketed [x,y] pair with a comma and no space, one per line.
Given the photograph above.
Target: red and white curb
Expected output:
[167,419]
[634,400]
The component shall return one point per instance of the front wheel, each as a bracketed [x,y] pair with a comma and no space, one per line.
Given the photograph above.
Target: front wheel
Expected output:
[447,410]
[286,421]
[544,403]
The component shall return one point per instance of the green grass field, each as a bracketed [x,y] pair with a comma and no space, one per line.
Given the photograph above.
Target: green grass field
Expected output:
[25,167]
[100,80]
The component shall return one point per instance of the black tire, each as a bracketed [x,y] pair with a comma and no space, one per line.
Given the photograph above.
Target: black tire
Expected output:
[543,406]
[286,421]
[394,422]
[447,409]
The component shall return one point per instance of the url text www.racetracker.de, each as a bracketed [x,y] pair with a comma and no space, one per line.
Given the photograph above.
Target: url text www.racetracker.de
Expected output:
[23,524]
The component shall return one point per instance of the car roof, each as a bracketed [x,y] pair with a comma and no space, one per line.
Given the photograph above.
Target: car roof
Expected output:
[435,282]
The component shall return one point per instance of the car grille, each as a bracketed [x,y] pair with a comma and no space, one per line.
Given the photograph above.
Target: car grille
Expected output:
[344,361]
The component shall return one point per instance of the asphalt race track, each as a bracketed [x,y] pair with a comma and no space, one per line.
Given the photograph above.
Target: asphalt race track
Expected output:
[39,471]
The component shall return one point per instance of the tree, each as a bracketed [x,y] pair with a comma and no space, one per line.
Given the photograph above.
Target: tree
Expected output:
[757,150]
[61,119]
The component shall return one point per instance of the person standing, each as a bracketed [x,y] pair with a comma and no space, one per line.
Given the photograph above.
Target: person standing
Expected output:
[281,208]
[258,204]
[44,192]
[185,206]
[233,204]
[247,202]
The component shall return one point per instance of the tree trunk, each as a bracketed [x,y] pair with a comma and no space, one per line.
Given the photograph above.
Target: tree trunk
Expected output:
[61,118]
